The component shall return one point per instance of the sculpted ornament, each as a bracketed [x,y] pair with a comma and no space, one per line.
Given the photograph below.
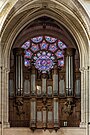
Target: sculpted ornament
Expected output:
[19,106]
[68,107]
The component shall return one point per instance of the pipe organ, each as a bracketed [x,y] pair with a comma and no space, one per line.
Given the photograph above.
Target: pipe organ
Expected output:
[42,102]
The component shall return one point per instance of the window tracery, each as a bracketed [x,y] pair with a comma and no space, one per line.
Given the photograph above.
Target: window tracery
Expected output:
[44,52]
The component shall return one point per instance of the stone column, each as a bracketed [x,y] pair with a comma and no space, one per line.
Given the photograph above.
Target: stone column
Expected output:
[3,93]
[55,81]
[1,103]
[86,70]
[19,62]
[89,97]
[33,86]
[0,95]
[5,74]
[69,56]
[89,88]
[82,123]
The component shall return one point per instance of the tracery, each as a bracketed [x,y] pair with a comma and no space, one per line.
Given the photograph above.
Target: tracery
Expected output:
[44,52]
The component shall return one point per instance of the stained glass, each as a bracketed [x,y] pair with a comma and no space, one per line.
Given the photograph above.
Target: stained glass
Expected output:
[50,39]
[34,48]
[44,45]
[38,54]
[44,54]
[28,54]
[49,54]
[61,45]
[53,47]
[26,45]
[37,39]
[52,57]
[44,63]
[59,54]
[27,63]
[61,63]
[34,57]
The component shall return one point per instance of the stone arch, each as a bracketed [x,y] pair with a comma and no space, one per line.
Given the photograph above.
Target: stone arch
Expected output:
[64,16]
[63,13]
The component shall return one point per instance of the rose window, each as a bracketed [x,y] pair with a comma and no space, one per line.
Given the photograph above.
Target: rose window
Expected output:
[44,52]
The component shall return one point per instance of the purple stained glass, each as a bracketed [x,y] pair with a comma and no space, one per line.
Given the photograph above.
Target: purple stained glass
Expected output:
[37,39]
[61,63]
[26,45]
[53,47]
[59,54]
[50,39]
[28,54]
[38,54]
[49,54]
[44,53]
[52,57]
[44,63]
[35,58]
[34,48]
[44,45]
[27,63]
[61,45]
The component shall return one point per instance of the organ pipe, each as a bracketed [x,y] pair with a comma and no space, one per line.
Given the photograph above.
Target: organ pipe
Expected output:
[19,63]
[69,56]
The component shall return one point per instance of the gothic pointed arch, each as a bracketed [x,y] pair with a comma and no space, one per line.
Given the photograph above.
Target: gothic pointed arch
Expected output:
[69,16]
[44,77]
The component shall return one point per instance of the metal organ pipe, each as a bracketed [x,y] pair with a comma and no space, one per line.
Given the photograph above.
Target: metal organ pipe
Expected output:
[19,63]
[33,88]
[69,57]
[55,81]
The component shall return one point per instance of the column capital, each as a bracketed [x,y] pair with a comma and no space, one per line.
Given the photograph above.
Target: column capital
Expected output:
[7,70]
[81,69]
[84,69]
[4,69]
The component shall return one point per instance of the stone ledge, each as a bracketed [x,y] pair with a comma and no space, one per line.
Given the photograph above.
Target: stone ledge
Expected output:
[61,131]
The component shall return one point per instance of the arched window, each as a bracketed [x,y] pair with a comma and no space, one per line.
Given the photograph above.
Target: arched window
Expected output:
[44,86]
